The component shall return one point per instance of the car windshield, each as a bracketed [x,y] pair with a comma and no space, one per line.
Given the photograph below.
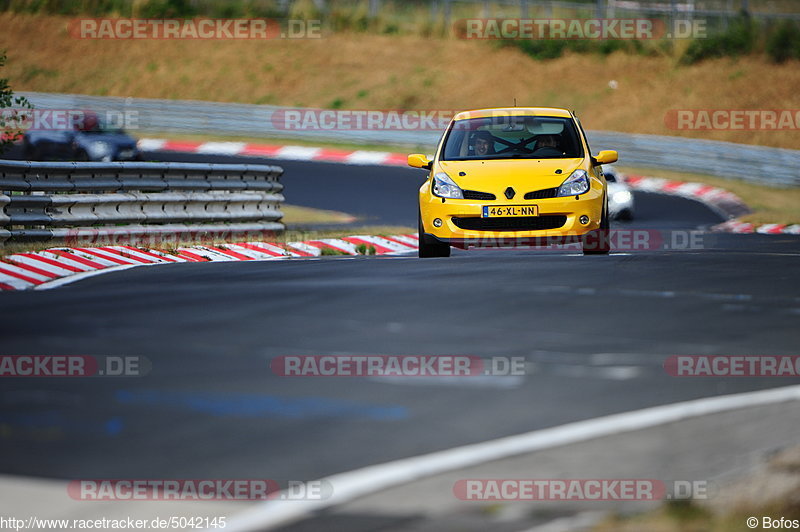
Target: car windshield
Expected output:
[512,137]
[93,124]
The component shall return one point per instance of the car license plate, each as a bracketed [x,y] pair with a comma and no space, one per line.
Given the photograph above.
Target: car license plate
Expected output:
[126,153]
[509,211]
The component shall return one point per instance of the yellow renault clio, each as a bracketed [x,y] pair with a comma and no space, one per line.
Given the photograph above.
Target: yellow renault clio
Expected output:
[510,177]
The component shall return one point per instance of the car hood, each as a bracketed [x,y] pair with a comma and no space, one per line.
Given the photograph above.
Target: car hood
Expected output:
[524,175]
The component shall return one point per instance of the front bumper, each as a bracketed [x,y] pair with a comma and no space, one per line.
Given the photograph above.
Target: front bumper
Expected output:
[128,154]
[477,232]
[615,208]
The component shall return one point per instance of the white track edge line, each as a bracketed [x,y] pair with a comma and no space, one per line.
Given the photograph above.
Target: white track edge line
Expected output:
[69,279]
[352,484]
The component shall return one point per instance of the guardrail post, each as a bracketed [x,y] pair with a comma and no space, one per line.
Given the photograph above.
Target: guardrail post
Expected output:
[600,11]
[5,220]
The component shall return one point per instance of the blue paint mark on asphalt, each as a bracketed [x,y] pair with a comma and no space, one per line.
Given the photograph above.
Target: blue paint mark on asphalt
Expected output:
[252,405]
[114,426]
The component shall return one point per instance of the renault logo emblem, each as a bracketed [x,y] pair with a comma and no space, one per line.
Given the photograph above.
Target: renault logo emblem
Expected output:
[510,193]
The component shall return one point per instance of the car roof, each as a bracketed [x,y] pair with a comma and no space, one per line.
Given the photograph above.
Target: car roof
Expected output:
[513,111]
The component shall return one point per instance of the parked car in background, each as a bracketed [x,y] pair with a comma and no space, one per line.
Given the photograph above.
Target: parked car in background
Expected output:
[620,197]
[87,138]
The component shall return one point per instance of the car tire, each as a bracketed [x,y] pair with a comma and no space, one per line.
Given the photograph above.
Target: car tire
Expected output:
[429,246]
[598,242]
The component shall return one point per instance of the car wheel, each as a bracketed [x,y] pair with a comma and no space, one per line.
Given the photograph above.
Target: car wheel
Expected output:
[598,242]
[429,246]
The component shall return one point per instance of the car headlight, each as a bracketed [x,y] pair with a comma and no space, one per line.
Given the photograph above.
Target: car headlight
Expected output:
[577,183]
[444,187]
[622,196]
[99,148]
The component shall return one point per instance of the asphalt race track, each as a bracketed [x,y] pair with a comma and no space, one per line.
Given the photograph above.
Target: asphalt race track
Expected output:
[595,332]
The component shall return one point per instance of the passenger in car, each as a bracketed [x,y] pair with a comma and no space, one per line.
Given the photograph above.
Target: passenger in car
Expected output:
[547,146]
[482,143]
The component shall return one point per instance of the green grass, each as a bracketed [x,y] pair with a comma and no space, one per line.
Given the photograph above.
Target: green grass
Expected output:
[332,252]
[783,43]
[740,38]
[364,249]
[737,36]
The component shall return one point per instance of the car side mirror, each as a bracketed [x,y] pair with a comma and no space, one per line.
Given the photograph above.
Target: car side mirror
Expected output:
[606,157]
[417,160]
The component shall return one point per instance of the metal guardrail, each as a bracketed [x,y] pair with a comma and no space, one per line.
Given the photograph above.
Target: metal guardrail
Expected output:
[757,164]
[598,8]
[129,201]
[213,118]
[612,8]
[763,165]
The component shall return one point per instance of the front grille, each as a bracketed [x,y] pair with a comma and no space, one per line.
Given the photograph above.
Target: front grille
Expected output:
[542,194]
[475,195]
[524,223]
